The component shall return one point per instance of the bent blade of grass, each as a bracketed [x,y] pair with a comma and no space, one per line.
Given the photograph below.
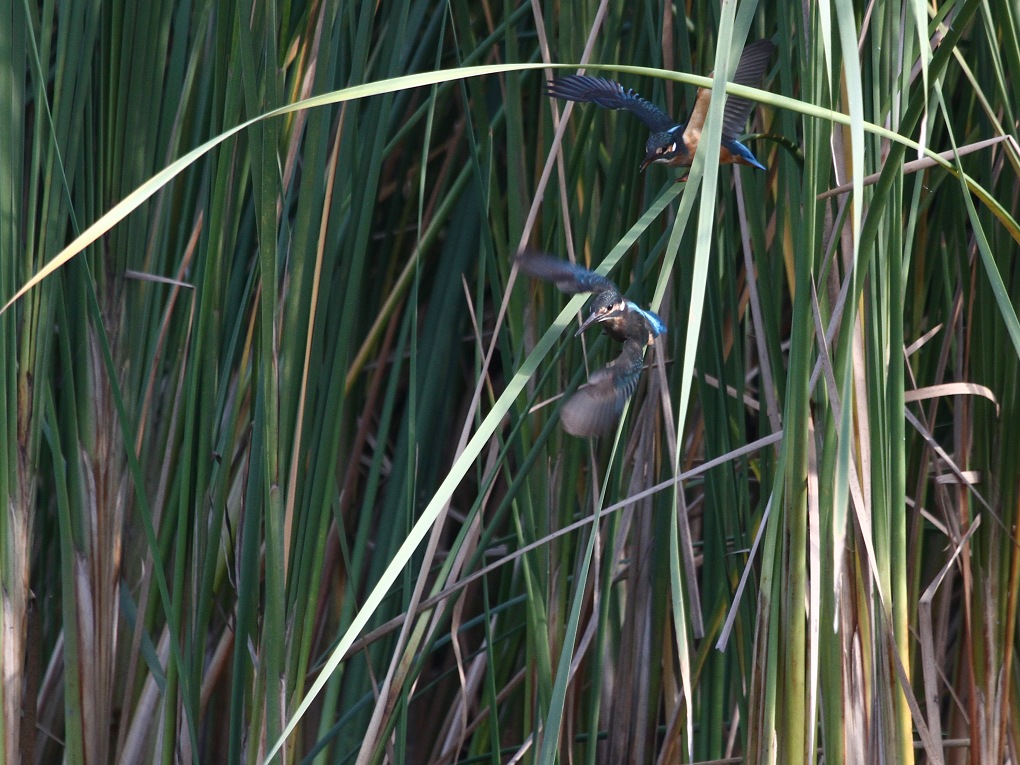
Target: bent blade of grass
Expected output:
[137,197]
[461,466]
[443,495]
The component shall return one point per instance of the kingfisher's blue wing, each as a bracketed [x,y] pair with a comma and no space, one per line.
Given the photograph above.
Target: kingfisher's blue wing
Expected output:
[568,277]
[596,408]
[610,95]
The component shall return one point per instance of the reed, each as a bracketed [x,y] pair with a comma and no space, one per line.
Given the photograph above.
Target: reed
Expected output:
[283,471]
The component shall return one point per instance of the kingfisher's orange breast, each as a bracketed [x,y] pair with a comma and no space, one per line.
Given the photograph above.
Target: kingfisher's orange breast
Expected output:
[726,157]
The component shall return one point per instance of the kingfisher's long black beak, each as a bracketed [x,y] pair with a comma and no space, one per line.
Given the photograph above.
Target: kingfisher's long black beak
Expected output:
[646,162]
[592,319]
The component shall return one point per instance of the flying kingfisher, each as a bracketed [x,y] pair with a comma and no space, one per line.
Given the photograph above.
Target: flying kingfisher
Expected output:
[673,143]
[596,407]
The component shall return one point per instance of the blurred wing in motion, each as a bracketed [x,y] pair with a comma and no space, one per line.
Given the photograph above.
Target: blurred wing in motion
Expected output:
[566,276]
[596,407]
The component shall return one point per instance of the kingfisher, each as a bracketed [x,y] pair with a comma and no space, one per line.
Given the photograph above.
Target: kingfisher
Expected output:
[596,407]
[671,143]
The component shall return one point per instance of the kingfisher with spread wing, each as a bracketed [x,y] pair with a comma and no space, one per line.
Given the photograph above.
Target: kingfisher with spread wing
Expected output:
[672,143]
[596,407]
